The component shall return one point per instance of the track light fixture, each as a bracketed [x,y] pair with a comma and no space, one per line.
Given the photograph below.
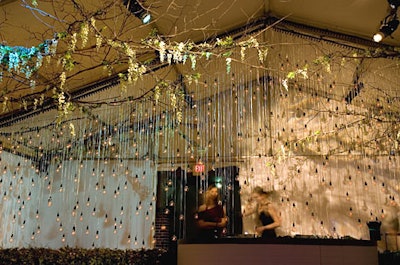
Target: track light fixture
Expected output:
[386,29]
[394,4]
[390,23]
[137,9]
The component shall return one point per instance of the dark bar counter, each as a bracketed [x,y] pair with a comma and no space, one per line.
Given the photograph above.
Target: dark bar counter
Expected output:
[308,240]
[297,250]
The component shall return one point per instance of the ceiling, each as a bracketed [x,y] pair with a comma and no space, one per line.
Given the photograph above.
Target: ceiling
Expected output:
[24,25]
[352,22]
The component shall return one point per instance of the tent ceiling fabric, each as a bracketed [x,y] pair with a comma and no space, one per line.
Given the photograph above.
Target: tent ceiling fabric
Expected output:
[179,20]
[176,20]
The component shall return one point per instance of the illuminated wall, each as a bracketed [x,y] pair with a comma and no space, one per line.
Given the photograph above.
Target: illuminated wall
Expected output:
[89,204]
[314,121]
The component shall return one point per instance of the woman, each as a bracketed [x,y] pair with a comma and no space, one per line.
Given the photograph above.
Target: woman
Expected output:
[267,214]
[211,217]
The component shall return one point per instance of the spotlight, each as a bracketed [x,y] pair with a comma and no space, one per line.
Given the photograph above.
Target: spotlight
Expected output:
[386,29]
[394,4]
[390,23]
[137,9]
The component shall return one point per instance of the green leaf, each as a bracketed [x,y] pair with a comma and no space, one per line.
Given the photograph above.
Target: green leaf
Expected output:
[291,75]
[227,54]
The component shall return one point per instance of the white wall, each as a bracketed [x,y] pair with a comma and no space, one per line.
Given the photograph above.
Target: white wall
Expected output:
[119,212]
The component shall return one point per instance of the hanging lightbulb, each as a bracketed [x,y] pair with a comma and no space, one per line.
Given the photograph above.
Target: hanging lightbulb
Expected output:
[293,227]
[137,210]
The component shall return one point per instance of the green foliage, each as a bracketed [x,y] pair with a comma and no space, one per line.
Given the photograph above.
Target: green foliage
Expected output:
[25,60]
[325,61]
[68,256]
[226,42]
[68,61]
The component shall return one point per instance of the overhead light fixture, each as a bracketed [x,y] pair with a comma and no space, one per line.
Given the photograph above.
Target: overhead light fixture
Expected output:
[390,23]
[386,30]
[136,8]
[394,4]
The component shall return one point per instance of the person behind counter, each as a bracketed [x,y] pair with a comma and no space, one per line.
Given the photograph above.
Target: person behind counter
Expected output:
[266,213]
[211,216]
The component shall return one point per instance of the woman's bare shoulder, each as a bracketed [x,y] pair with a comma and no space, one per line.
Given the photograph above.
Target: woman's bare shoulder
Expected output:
[202,208]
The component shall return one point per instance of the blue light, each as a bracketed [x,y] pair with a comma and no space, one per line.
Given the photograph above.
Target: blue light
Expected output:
[146,18]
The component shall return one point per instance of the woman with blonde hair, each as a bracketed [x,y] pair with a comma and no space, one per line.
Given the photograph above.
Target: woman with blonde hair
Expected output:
[266,213]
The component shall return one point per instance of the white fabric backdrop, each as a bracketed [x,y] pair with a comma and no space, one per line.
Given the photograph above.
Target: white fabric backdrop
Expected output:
[93,204]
